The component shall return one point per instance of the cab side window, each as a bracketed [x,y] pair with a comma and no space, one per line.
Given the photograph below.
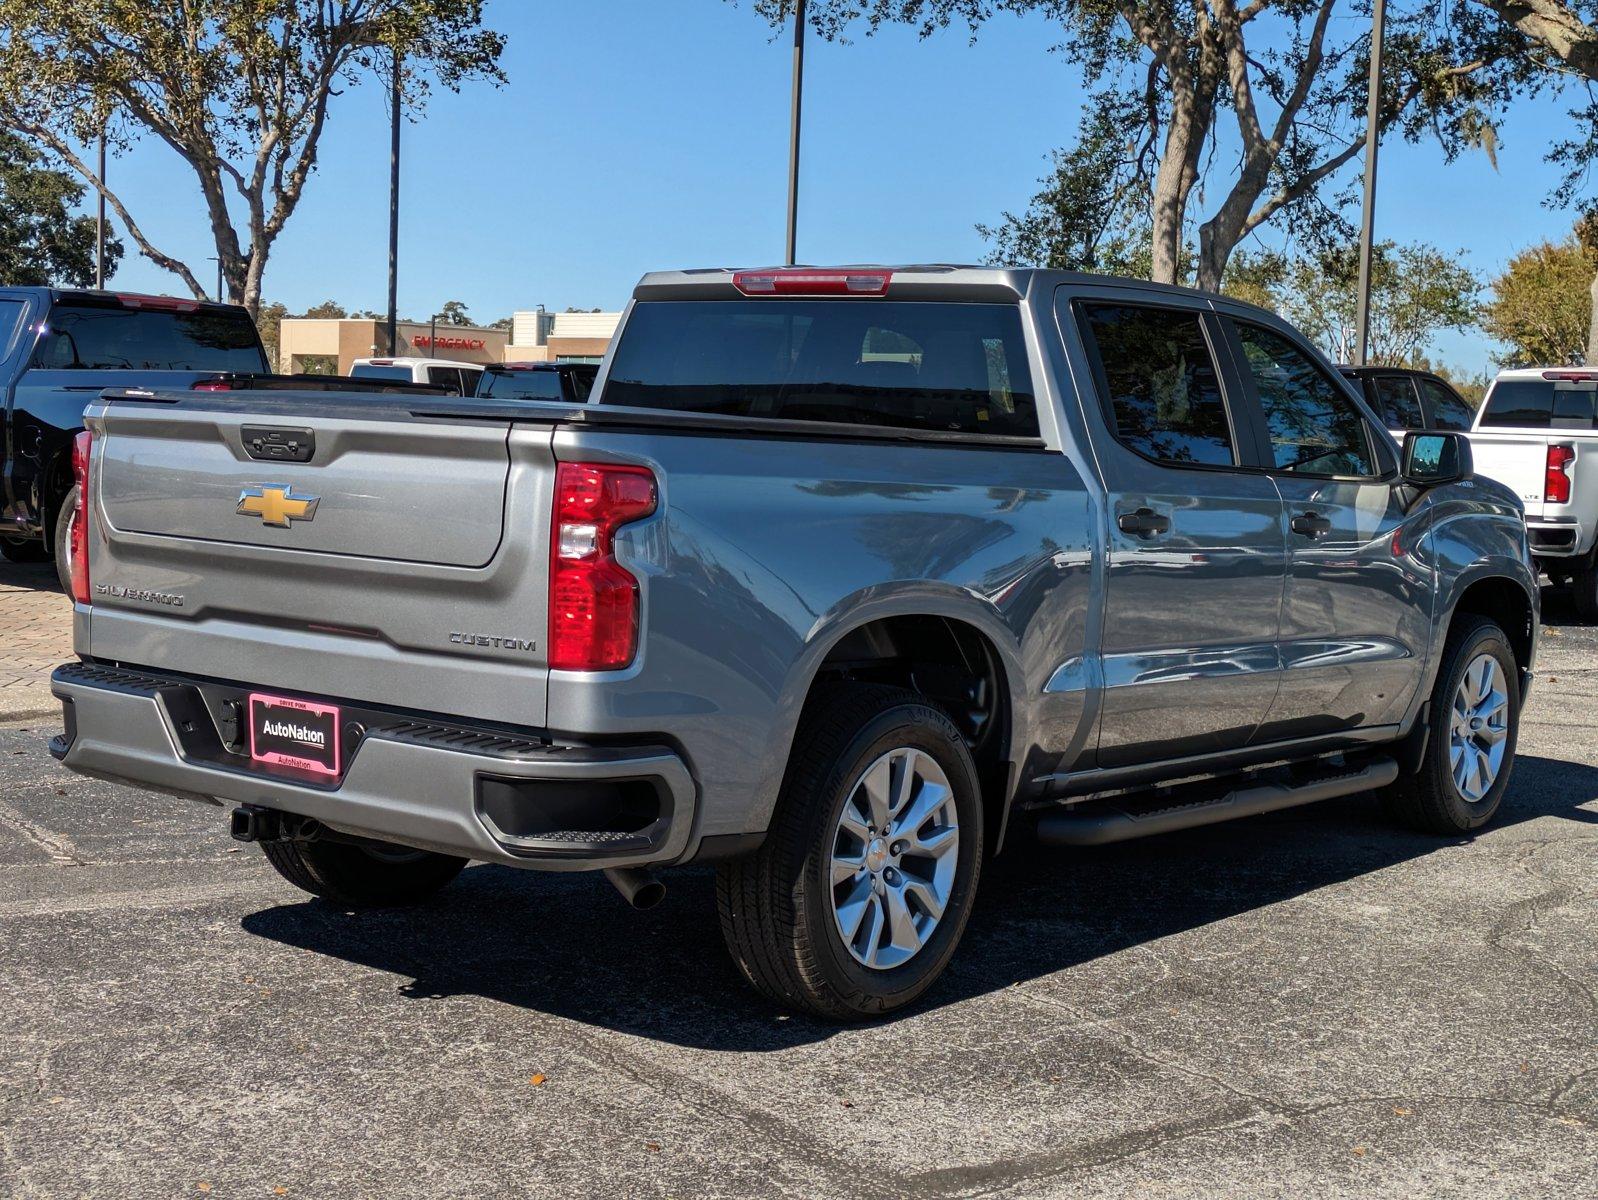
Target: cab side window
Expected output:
[1314,427]
[1161,388]
[1399,406]
[1449,410]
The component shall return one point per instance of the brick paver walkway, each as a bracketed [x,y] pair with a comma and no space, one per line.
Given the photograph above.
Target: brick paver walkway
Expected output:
[35,637]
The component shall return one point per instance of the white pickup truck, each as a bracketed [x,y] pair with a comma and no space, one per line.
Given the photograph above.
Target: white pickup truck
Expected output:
[1537,434]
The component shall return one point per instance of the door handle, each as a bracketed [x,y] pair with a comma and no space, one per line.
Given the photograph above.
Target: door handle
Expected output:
[1310,524]
[1143,523]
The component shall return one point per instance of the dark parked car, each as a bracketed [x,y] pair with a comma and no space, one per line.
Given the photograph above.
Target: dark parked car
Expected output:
[571,382]
[1406,399]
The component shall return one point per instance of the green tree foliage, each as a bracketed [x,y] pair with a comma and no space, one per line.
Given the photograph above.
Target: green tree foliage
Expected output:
[239,89]
[1261,101]
[1541,306]
[454,313]
[1417,292]
[42,240]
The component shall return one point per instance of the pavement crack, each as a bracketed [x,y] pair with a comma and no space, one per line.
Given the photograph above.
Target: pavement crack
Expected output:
[58,847]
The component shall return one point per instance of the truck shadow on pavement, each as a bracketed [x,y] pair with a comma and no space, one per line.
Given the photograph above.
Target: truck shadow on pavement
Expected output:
[566,944]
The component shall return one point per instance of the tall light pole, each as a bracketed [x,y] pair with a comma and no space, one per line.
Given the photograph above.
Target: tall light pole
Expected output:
[1368,218]
[793,130]
[393,211]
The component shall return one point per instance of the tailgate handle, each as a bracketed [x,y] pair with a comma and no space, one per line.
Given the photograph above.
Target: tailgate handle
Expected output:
[265,443]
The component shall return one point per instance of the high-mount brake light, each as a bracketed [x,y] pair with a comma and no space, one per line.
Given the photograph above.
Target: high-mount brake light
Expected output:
[1572,376]
[1556,477]
[593,599]
[212,385]
[161,303]
[78,528]
[812,281]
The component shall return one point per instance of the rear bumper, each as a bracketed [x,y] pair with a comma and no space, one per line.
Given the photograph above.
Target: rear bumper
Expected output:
[480,794]
[1557,538]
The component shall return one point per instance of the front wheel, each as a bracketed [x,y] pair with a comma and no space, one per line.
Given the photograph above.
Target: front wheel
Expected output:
[22,550]
[855,902]
[362,874]
[1475,721]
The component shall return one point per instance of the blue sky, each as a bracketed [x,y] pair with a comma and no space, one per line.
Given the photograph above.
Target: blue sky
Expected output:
[636,134]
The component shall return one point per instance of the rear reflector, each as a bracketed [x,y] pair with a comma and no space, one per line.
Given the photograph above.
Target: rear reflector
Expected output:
[78,530]
[593,599]
[812,281]
[1556,479]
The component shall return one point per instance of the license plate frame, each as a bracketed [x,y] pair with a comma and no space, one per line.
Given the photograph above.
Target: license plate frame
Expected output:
[299,722]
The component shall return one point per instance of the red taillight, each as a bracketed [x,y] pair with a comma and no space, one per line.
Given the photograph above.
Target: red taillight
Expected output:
[593,599]
[1556,481]
[1572,376]
[212,385]
[78,530]
[812,281]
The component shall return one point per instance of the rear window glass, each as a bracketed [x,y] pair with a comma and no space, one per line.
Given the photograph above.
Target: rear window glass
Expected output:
[118,339]
[1541,403]
[959,368]
[520,385]
[370,371]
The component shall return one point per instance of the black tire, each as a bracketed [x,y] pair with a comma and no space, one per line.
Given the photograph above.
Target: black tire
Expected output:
[23,550]
[1584,592]
[776,905]
[1429,800]
[362,874]
[63,539]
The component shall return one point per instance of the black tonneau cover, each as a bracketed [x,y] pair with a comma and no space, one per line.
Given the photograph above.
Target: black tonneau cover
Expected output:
[286,405]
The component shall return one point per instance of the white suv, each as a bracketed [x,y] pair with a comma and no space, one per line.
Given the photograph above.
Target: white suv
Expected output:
[459,377]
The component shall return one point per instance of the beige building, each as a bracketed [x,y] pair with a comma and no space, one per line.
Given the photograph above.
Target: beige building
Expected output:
[331,346]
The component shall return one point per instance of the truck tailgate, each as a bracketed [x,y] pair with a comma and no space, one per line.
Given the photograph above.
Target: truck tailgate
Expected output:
[404,564]
[1518,461]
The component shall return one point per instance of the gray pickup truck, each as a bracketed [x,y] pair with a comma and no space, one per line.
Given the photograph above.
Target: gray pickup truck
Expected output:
[843,576]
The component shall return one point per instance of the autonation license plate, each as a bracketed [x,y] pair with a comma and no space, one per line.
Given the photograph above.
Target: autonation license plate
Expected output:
[294,733]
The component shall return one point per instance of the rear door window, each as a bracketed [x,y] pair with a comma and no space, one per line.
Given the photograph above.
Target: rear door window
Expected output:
[1314,427]
[1448,408]
[94,338]
[1158,379]
[946,367]
[1398,403]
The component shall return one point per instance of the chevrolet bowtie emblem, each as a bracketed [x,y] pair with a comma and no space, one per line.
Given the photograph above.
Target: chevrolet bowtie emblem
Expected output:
[276,504]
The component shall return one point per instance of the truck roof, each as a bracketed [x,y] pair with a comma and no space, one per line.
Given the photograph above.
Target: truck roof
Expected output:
[910,281]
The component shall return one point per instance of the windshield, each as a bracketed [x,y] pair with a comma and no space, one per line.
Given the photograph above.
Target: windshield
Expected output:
[918,365]
[92,338]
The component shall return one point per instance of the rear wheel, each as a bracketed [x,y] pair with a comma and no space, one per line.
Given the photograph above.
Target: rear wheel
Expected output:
[23,550]
[1584,591]
[362,874]
[1475,721]
[63,539]
[855,902]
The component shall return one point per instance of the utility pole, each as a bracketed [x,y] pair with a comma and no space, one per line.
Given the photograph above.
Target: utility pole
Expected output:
[793,131]
[99,222]
[1368,218]
[393,211]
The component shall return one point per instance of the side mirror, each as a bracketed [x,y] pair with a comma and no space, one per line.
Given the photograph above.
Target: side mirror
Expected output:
[1435,457]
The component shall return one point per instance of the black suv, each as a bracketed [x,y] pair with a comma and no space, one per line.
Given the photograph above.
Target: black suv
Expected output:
[1407,399]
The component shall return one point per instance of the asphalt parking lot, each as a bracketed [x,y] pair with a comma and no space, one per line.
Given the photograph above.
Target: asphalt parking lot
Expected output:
[1310,1004]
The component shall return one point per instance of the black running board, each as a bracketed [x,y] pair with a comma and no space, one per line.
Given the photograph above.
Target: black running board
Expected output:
[1099,827]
